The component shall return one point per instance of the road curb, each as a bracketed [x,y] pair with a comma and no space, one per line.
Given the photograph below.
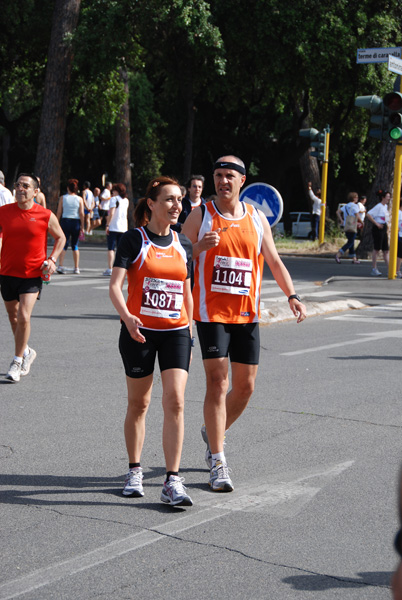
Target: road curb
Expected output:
[281,313]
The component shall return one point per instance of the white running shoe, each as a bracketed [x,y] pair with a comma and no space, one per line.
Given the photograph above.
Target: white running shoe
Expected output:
[108,272]
[174,492]
[375,273]
[208,454]
[219,480]
[27,361]
[133,484]
[14,372]
[60,270]
[77,271]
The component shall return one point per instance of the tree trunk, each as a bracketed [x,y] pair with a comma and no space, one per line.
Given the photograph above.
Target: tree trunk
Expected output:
[55,100]
[188,142]
[123,149]
[310,172]
[383,181]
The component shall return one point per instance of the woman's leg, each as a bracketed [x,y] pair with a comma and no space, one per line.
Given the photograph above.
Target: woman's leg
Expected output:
[174,384]
[139,396]
[76,258]
[61,258]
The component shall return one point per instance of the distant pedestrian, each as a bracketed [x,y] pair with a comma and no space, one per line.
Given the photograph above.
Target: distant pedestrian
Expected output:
[379,217]
[70,213]
[315,210]
[6,197]
[40,198]
[105,202]
[88,199]
[25,226]
[117,222]
[350,217]
[95,217]
[192,199]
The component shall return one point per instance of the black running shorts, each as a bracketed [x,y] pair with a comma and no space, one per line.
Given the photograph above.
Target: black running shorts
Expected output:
[173,349]
[12,287]
[241,342]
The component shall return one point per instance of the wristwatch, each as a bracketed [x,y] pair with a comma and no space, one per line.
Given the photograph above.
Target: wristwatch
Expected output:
[52,258]
[295,296]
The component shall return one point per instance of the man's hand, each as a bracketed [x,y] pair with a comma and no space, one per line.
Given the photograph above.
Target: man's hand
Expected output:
[298,309]
[210,240]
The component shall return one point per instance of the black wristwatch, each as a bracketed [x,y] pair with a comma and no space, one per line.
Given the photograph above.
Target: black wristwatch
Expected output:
[295,296]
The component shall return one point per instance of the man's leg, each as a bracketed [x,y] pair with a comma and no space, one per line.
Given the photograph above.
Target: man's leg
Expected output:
[19,314]
[217,380]
[243,381]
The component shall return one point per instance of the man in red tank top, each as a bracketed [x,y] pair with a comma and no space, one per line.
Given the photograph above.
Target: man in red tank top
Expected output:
[230,241]
[25,226]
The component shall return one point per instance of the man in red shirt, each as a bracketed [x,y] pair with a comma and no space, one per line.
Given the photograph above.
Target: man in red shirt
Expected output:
[25,226]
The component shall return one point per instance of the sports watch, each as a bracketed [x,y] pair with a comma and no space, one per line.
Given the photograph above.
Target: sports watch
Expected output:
[295,296]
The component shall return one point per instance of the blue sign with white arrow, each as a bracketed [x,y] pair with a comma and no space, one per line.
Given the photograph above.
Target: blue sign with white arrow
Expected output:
[266,198]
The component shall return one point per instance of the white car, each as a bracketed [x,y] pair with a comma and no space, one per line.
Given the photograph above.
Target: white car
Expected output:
[301,225]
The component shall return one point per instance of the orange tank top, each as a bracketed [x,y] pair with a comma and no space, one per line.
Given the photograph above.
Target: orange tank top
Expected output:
[227,278]
[156,284]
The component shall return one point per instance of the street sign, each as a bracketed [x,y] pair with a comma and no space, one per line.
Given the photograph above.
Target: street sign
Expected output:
[266,198]
[377,55]
[395,65]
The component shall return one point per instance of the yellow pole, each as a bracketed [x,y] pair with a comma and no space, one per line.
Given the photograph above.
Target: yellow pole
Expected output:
[396,199]
[324,181]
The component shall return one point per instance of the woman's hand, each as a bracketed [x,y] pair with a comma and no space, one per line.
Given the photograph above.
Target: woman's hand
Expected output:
[133,324]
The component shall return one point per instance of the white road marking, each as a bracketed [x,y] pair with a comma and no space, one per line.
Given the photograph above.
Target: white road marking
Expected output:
[73,282]
[280,497]
[366,337]
[372,320]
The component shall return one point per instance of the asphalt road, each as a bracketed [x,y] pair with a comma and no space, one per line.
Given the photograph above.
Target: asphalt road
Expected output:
[314,458]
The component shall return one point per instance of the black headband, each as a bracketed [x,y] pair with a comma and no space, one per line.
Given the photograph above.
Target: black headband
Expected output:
[229,165]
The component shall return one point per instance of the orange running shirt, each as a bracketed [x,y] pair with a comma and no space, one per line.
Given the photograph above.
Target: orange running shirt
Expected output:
[24,240]
[156,284]
[227,278]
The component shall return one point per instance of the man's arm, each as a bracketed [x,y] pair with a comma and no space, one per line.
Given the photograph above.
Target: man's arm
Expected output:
[278,269]
[191,228]
[59,240]
[396,583]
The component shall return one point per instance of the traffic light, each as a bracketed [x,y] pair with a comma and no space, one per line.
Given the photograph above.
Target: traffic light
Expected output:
[317,141]
[379,118]
[393,104]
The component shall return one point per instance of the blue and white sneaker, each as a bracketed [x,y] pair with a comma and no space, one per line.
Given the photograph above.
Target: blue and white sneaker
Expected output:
[219,480]
[174,492]
[133,484]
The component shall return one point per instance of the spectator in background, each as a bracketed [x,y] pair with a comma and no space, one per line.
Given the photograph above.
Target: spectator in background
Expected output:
[88,199]
[117,222]
[315,210]
[349,216]
[105,202]
[362,210]
[192,199]
[379,217]
[40,198]
[70,213]
[6,197]
[95,218]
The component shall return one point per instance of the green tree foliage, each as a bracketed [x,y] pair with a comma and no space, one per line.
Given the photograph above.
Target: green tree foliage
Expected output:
[208,77]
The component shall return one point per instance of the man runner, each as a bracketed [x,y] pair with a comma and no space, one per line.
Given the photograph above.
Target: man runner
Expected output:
[230,240]
[25,226]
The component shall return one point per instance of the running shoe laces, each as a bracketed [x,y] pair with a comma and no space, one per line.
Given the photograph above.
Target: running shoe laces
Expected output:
[174,492]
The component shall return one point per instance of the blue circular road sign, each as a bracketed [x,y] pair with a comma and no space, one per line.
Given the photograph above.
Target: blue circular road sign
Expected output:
[266,198]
